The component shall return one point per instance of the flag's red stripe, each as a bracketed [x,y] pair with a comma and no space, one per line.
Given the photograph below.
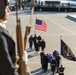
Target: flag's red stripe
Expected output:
[41,27]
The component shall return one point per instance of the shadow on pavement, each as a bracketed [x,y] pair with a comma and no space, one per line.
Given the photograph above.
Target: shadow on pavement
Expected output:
[39,71]
[30,56]
[29,50]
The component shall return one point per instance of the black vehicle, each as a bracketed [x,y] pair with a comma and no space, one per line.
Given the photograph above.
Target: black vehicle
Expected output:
[12,7]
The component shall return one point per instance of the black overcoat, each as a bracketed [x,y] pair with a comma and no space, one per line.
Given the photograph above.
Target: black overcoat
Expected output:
[7,53]
[53,65]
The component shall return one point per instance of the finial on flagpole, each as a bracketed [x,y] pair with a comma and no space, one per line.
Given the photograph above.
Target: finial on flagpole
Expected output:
[36,17]
[60,36]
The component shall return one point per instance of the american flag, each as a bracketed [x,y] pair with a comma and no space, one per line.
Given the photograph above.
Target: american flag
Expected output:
[40,25]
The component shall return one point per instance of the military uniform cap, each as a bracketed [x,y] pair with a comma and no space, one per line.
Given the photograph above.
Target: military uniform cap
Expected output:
[3,4]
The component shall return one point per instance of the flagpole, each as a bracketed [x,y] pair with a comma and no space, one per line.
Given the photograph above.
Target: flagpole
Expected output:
[60,46]
[60,37]
[35,31]
[35,25]
[31,17]
[28,28]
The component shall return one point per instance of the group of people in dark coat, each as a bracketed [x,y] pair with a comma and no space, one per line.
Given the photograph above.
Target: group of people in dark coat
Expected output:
[37,41]
[54,63]
[54,59]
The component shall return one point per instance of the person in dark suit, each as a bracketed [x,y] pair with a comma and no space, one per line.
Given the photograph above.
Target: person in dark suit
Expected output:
[58,59]
[61,70]
[43,45]
[30,40]
[42,59]
[39,40]
[53,65]
[7,45]
[45,63]
[34,40]
[37,47]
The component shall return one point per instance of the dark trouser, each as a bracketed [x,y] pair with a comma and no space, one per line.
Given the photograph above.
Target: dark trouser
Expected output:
[42,49]
[52,72]
[45,70]
[30,46]
[61,73]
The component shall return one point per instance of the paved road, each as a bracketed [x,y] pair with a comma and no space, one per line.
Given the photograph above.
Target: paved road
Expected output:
[57,25]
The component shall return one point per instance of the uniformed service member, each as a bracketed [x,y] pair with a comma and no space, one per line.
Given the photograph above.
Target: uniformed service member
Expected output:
[7,45]
[53,65]
[61,70]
